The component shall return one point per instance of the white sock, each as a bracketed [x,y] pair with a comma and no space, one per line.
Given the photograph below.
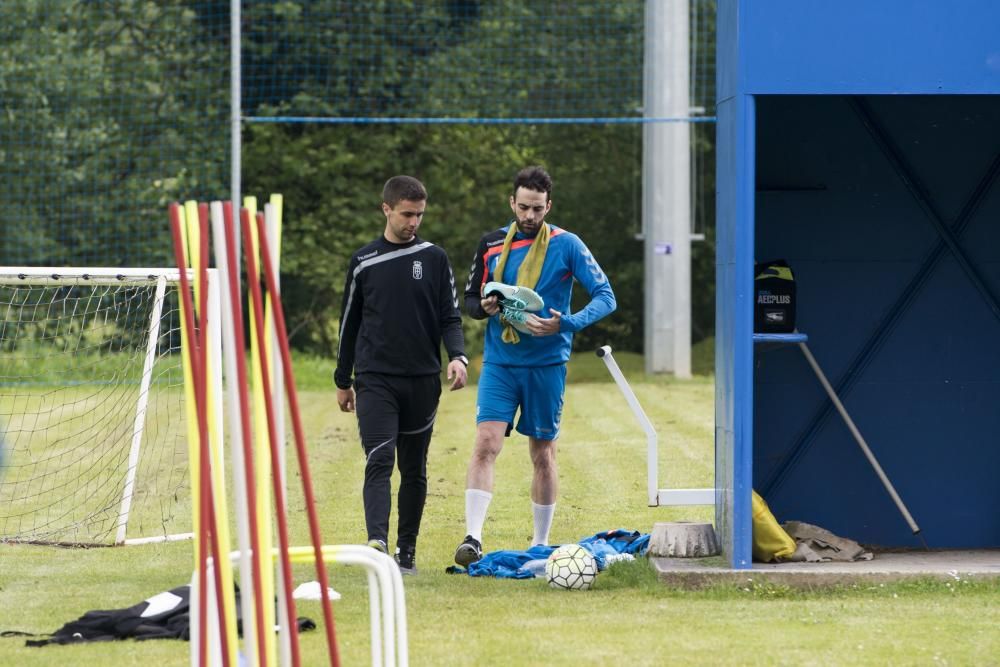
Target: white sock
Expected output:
[543,522]
[476,504]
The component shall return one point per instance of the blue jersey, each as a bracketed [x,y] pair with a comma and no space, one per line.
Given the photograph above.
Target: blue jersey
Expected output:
[567,259]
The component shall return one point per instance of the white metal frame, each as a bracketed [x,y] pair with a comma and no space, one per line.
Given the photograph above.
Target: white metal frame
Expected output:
[656,495]
[386,599]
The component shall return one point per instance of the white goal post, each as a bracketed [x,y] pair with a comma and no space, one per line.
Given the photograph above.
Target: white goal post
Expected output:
[93,424]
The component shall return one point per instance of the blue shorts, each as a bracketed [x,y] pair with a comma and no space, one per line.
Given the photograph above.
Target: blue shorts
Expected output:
[537,391]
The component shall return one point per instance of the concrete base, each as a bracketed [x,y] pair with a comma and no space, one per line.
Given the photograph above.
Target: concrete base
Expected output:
[683,539]
[885,567]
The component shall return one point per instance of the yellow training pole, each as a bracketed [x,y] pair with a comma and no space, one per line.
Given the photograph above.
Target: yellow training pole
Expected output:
[262,453]
[272,216]
[189,400]
[211,338]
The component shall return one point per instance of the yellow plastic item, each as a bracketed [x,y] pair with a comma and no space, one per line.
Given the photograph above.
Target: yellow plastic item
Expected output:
[770,541]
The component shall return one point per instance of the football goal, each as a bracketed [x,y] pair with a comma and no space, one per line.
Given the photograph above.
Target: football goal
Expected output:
[92,417]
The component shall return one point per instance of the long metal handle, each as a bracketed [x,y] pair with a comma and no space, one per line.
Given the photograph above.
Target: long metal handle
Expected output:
[859,438]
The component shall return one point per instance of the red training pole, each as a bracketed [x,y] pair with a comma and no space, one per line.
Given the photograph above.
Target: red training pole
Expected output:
[186,307]
[244,399]
[206,471]
[300,440]
[279,492]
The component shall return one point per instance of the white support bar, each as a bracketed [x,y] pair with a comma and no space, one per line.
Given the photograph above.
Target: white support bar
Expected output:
[686,496]
[652,449]
[139,424]
[175,537]
[656,496]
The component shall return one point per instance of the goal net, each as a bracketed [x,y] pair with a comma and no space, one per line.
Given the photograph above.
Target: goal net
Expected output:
[93,434]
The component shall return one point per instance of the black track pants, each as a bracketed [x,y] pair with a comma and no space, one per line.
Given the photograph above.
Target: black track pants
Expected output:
[396,417]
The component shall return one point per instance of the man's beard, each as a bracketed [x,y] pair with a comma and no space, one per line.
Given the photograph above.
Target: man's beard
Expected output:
[529,233]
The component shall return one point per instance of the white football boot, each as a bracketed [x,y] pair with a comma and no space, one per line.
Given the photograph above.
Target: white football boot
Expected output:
[516,302]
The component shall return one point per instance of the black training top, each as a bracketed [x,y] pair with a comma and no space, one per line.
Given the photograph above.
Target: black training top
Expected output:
[400,301]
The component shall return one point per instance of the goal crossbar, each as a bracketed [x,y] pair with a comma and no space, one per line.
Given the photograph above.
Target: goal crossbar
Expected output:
[42,275]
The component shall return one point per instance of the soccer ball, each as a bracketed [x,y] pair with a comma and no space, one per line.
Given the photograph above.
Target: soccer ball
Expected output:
[570,567]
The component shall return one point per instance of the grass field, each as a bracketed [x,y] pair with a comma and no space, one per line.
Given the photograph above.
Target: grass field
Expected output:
[629,618]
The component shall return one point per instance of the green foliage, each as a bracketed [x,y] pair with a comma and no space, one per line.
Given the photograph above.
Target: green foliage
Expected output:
[102,126]
[331,178]
[404,59]
[126,110]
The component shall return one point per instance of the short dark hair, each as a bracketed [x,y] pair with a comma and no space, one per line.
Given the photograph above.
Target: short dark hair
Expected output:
[534,178]
[398,188]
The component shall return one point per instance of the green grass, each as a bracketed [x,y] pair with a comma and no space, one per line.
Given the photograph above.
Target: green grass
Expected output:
[628,618]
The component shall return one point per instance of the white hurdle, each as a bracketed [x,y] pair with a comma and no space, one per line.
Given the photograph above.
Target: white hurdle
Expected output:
[386,599]
[385,596]
[656,495]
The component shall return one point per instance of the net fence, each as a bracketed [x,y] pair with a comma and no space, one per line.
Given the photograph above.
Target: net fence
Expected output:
[511,62]
[127,104]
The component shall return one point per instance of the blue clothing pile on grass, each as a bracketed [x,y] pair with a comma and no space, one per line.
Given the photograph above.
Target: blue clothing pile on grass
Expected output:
[605,547]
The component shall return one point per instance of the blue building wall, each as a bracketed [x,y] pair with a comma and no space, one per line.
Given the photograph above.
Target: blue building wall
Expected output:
[813,47]
[858,141]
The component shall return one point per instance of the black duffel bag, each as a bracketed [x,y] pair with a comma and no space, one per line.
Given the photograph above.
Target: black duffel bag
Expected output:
[774,297]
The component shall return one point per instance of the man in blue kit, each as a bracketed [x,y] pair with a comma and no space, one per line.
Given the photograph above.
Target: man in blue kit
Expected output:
[524,362]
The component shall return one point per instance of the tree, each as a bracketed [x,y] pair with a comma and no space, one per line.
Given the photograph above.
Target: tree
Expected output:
[124,109]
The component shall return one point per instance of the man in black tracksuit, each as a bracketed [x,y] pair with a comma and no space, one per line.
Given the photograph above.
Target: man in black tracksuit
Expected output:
[400,302]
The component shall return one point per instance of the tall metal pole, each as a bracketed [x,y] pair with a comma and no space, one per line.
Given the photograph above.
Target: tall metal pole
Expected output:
[235,108]
[248,611]
[666,189]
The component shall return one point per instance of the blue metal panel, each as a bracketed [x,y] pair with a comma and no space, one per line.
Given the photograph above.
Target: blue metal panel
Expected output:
[734,328]
[743,358]
[865,47]
[727,176]
[727,64]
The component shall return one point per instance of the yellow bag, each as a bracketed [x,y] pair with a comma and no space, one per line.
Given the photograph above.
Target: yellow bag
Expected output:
[770,541]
